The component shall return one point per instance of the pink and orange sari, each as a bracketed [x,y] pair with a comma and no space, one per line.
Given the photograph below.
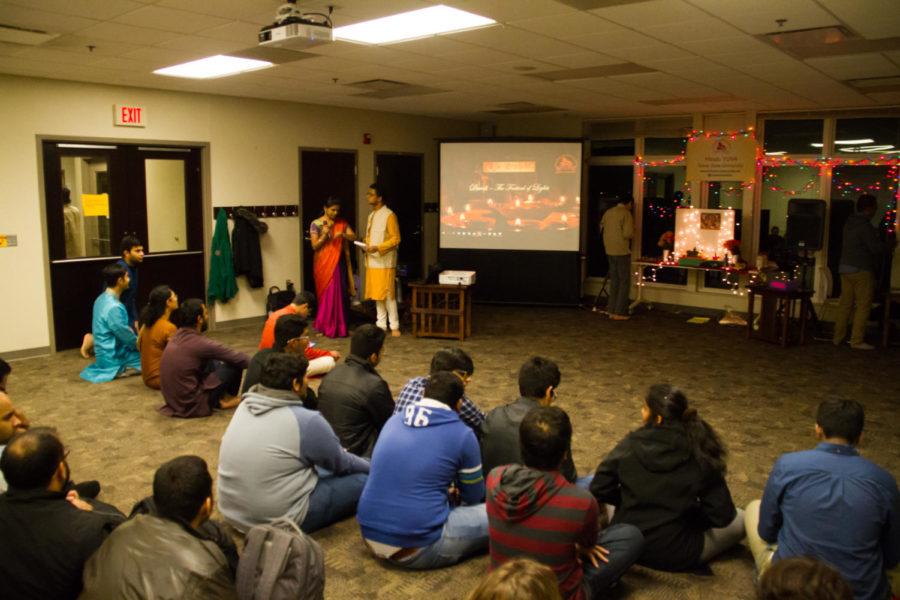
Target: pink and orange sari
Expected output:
[329,271]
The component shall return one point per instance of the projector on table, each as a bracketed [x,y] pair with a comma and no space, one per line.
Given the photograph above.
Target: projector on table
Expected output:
[456,277]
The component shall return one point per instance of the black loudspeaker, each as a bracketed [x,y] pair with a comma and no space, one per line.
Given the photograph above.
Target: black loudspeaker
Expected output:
[805,223]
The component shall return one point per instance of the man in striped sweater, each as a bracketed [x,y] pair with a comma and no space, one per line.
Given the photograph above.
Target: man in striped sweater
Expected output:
[534,512]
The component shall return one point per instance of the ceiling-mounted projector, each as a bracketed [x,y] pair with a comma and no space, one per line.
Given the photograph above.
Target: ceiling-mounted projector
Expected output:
[295,30]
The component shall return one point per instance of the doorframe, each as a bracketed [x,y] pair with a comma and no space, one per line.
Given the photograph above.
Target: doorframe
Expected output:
[421,155]
[205,199]
[355,200]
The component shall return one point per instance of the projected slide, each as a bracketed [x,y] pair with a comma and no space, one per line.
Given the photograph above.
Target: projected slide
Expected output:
[510,196]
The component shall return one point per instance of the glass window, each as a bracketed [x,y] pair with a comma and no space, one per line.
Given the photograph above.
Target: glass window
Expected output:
[725,194]
[658,146]
[793,136]
[86,207]
[867,136]
[779,185]
[166,205]
[612,147]
[665,189]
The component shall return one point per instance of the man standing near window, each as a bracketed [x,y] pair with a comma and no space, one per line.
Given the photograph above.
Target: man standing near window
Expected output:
[860,251]
[617,226]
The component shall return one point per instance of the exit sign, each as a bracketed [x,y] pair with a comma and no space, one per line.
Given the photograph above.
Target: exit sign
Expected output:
[127,115]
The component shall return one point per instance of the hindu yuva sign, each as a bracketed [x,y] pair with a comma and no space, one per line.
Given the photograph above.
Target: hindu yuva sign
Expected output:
[721,158]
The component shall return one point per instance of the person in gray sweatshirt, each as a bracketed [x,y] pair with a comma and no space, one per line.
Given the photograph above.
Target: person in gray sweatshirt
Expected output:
[281,459]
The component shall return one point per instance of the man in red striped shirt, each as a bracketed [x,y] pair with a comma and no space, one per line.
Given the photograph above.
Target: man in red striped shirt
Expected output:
[534,512]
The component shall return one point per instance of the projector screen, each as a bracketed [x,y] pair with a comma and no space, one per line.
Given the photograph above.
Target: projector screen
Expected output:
[510,195]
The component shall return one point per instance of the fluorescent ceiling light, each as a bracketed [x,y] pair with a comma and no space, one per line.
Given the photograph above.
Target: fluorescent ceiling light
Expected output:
[214,66]
[411,25]
[814,145]
[853,142]
[779,153]
[868,149]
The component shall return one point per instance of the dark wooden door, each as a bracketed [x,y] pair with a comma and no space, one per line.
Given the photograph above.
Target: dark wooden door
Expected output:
[325,174]
[115,190]
[401,177]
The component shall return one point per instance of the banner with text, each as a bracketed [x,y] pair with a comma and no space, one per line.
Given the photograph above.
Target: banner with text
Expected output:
[721,159]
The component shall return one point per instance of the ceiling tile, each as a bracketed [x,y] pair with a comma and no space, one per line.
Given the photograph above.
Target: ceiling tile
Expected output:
[100,10]
[90,46]
[656,51]
[855,66]
[873,19]
[647,14]
[117,32]
[169,19]
[226,9]
[41,20]
[614,40]
[759,16]
[506,10]
[515,41]
[202,45]
[236,31]
[582,60]
[565,25]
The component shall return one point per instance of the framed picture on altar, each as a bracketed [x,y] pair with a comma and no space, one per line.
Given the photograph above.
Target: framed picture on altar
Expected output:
[711,221]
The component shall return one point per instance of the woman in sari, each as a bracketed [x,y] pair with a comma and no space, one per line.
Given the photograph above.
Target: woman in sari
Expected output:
[331,269]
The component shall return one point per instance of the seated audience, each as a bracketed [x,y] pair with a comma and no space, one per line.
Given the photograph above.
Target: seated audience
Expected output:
[668,479]
[11,422]
[425,462]
[354,398]
[291,337]
[197,374]
[802,578]
[5,370]
[139,559]
[320,361]
[115,344]
[156,329]
[518,579]
[47,533]
[538,379]
[448,359]
[281,459]
[535,512]
[832,504]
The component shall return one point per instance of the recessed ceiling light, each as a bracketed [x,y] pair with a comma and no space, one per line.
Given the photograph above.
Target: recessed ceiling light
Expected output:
[816,145]
[214,66]
[853,142]
[411,25]
[778,153]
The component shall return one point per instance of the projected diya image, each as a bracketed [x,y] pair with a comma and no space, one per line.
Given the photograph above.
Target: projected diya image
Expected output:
[517,212]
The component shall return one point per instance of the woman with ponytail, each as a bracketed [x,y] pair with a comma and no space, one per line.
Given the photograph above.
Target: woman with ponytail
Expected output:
[155,331]
[668,479]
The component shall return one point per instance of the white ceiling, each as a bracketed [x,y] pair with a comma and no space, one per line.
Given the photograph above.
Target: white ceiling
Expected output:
[704,54]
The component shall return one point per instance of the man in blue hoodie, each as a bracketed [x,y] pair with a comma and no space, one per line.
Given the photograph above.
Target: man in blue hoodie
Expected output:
[425,462]
[860,251]
[280,459]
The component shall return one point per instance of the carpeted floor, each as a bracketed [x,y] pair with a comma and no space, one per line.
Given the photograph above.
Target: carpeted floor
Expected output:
[760,397]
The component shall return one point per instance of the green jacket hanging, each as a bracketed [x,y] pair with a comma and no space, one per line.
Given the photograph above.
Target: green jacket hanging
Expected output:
[222,284]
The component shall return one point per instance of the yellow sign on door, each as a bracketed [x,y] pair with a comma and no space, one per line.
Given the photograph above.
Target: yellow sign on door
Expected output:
[95,205]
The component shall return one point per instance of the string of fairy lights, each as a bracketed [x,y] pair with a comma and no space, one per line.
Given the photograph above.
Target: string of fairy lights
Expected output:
[770,178]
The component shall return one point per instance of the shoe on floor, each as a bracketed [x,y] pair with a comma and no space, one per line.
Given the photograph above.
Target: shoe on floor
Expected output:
[619,317]
[862,346]
[395,333]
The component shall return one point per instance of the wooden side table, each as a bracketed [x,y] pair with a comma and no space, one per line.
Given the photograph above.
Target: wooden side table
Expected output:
[443,311]
[775,304]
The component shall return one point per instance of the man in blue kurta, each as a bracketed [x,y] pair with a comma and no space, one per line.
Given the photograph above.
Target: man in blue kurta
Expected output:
[115,343]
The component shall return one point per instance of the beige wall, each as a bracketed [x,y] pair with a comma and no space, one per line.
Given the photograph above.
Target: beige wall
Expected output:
[253,159]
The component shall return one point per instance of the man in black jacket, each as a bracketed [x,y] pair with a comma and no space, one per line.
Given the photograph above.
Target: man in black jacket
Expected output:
[140,556]
[48,533]
[538,379]
[353,397]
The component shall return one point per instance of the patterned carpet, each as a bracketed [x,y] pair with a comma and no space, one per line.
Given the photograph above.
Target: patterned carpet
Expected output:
[760,397]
